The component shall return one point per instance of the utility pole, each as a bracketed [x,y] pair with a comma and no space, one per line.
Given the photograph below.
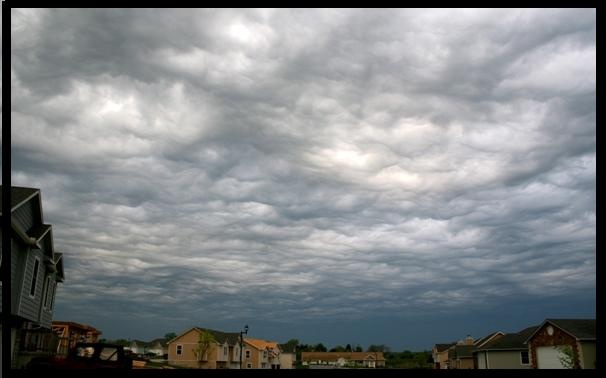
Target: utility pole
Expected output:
[242,342]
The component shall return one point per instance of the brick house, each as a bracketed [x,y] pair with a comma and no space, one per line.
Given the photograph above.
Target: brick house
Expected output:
[549,343]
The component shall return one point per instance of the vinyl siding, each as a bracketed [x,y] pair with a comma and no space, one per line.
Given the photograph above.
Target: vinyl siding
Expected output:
[588,354]
[18,257]
[30,307]
[24,215]
[46,315]
[505,360]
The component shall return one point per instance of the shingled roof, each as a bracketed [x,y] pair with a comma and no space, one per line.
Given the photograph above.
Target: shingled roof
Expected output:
[443,347]
[580,329]
[510,341]
[232,338]
[19,195]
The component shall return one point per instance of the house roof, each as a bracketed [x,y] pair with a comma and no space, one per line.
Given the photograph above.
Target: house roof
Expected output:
[262,344]
[443,347]
[334,356]
[580,329]
[461,351]
[232,338]
[19,195]
[510,341]
[488,338]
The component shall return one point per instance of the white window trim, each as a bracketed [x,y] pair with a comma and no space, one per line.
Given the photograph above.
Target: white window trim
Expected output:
[248,365]
[179,351]
[521,361]
[34,281]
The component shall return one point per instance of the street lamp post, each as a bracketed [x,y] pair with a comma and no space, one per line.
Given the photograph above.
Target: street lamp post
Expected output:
[242,342]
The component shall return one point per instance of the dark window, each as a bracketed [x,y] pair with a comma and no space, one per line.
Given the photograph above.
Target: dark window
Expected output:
[32,289]
[52,296]
[48,291]
[179,349]
[524,357]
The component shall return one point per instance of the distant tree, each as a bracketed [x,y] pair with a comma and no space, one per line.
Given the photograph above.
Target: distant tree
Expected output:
[406,355]
[170,336]
[319,348]
[338,348]
[358,348]
[122,342]
[205,340]
[378,348]
[292,344]
[102,340]
[348,348]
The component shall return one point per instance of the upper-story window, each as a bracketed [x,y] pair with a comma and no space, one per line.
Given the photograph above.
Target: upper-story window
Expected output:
[52,297]
[32,288]
[225,351]
[48,292]
[248,354]
[264,354]
[179,349]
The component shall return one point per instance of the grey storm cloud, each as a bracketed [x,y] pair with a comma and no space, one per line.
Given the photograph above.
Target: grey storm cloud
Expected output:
[299,164]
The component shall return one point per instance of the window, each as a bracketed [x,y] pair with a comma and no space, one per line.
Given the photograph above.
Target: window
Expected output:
[264,354]
[263,365]
[225,351]
[32,288]
[179,349]
[48,291]
[248,354]
[249,365]
[52,296]
[524,357]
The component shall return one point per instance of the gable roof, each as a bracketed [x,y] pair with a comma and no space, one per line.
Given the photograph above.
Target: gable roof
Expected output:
[232,338]
[580,329]
[443,347]
[20,195]
[262,344]
[488,338]
[510,341]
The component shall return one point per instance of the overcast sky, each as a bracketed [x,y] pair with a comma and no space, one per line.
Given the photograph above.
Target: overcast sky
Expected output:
[398,177]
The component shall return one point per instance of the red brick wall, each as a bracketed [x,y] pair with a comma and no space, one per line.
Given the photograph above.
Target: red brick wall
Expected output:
[542,338]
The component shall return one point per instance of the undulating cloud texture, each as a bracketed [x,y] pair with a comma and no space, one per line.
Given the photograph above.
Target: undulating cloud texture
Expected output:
[302,170]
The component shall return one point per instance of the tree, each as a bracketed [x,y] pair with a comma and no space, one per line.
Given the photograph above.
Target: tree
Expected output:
[358,348]
[566,356]
[319,348]
[170,336]
[338,348]
[291,344]
[378,348]
[205,340]
[348,348]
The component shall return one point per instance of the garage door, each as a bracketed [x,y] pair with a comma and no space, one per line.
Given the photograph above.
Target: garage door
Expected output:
[548,357]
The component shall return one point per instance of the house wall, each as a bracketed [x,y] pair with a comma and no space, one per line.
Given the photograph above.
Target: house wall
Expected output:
[505,360]
[588,354]
[30,307]
[465,363]
[287,360]
[188,358]
[24,215]
[18,258]
[559,337]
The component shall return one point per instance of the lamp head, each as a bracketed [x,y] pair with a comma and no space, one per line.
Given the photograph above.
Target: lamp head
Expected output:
[246,328]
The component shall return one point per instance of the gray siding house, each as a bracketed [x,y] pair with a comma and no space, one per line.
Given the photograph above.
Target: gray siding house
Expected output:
[36,268]
[507,351]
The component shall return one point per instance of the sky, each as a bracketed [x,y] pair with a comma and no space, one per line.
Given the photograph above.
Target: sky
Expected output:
[402,177]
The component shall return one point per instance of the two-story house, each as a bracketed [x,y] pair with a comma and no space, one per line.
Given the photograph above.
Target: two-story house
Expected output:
[261,354]
[221,352]
[36,268]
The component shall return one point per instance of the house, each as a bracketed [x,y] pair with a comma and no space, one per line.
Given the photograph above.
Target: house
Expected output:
[343,359]
[156,347]
[460,355]
[221,352]
[288,357]
[70,333]
[260,354]
[506,351]
[36,269]
[563,343]
[439,352]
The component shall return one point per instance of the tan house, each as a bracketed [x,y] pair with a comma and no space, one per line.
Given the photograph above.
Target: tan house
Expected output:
[288,357]
[460,355]
[223,351]
[260,354]
[343,359]
[563,343]
[439,352]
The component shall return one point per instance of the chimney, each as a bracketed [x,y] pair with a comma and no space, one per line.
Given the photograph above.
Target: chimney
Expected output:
[469,340]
